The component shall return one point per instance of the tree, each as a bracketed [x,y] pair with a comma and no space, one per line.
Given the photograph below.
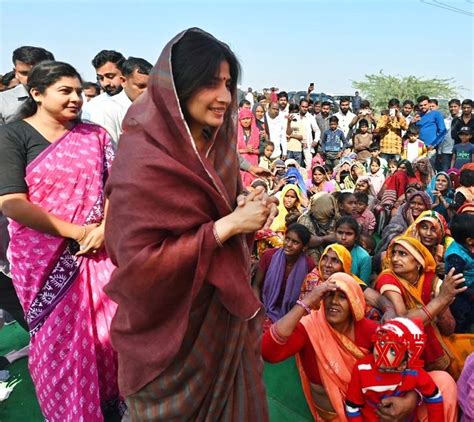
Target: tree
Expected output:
[380,88]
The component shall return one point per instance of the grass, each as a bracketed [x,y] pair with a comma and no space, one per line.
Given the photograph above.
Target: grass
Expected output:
[22,405]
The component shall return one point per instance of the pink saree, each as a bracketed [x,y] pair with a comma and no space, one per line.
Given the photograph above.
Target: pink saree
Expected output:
[71,360]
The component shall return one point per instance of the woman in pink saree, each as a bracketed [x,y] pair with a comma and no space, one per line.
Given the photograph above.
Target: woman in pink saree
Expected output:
[53,194]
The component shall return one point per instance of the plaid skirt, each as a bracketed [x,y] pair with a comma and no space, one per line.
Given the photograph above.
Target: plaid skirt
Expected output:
[216,375]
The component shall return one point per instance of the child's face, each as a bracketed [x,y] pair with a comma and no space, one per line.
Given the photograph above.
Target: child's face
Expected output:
[374,167]
[412,138]
[465,137]
[393,168]
[268,151]
[386,356]
[364,129]
[246,122]
[333,125]
[375,153]
[360,207]
[345,235]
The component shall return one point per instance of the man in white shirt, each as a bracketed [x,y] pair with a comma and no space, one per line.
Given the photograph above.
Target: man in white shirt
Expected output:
[445,149]
[345,116]
[134,80]
[276,131]
[312,132]
[249,97]
[107,67]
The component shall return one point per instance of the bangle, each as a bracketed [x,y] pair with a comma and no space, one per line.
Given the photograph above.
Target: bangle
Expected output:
[428,314]
[304,306]
[83,235]
[216,236]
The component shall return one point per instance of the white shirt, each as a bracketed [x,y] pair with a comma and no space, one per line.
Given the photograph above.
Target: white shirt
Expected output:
[277,135]
[446,147]
[344,120]
[412,151]
[310,126]
[249,98]
[109,112]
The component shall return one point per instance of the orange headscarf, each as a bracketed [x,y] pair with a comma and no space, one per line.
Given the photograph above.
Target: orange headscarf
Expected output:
[336,353]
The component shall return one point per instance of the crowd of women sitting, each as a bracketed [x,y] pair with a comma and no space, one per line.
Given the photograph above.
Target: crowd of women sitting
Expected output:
[366,274]
[405,251]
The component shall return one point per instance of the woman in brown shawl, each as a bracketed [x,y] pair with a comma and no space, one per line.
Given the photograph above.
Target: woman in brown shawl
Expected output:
[186,328]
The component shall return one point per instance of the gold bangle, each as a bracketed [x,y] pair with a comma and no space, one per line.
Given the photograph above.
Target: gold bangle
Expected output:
[216,236]
[83,235]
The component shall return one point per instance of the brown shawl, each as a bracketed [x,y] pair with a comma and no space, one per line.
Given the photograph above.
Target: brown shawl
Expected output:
[164,199]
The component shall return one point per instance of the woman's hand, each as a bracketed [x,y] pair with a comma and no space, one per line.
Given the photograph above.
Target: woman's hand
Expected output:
[451,286]
[440,269]
[313,298]
[271,202]
[93,241]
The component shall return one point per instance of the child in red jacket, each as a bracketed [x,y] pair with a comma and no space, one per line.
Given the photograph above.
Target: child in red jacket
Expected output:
[392,370]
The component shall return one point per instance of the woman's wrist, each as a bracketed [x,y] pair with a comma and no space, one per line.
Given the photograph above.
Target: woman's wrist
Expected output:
[225,228]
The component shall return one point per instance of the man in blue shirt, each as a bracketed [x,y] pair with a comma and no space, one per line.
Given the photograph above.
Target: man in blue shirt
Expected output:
[432,127]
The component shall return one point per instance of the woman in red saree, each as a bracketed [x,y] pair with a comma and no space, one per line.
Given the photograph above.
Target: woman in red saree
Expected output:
[53,193]
[188,324]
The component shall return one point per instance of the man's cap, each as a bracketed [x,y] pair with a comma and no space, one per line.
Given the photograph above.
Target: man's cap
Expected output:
[465,129]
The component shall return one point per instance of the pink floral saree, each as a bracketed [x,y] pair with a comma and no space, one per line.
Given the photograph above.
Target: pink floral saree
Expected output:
[72,363]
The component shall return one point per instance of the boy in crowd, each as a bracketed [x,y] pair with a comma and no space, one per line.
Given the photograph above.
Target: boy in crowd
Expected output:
[463,153]
[333,142]
[374,150]
[413,147]
[362,141]
[363,215]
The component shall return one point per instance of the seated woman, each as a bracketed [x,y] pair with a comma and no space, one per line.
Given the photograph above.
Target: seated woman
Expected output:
[424,171]
[319,219]
[417,202]
[335,259]
[430,229]
[320,181]
[410,283]
[328,341]
[364,184]
[348,234]
[357,169]
[282,271]
[441,193]
[290,202]
[465,191]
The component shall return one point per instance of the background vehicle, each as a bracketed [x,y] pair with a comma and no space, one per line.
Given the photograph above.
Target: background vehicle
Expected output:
[296,96]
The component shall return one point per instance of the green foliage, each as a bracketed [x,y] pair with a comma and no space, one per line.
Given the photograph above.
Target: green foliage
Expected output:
[380,88]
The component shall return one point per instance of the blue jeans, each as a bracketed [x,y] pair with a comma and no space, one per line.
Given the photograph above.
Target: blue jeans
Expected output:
[296,155]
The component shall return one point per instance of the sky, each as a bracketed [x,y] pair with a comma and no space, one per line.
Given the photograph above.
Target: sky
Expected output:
[287,44]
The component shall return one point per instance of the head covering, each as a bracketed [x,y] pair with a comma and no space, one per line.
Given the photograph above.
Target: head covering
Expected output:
[424,197]
[279,223]
[178,192]
[433,217]
[254,139]
[465,129]
[294,176]
[468,166]
[342,253]
[367,179]
[352,290]
[467,207]
[323,208]
[416,249]
[454,174]
[432,187]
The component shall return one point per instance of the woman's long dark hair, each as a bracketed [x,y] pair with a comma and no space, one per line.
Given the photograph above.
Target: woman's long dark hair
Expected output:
[196,59]
[408,166]
[42,76]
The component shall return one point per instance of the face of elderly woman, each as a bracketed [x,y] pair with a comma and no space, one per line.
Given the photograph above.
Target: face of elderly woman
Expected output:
[337,307]
[330,264]
[402,261]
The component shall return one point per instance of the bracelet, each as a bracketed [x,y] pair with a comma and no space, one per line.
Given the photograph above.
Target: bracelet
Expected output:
[428,314]
[83,235]
[276,336]
[216,236]
[304,306]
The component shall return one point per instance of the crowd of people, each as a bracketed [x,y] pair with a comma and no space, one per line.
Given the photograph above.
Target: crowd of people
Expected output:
[153,228]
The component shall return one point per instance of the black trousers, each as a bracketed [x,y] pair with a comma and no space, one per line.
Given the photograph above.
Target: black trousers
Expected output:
[9,300]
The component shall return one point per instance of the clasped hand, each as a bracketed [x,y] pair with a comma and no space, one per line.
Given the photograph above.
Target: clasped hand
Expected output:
[257,210]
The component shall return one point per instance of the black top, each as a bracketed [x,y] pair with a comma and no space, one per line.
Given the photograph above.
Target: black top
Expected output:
[20,144]
[457,124]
